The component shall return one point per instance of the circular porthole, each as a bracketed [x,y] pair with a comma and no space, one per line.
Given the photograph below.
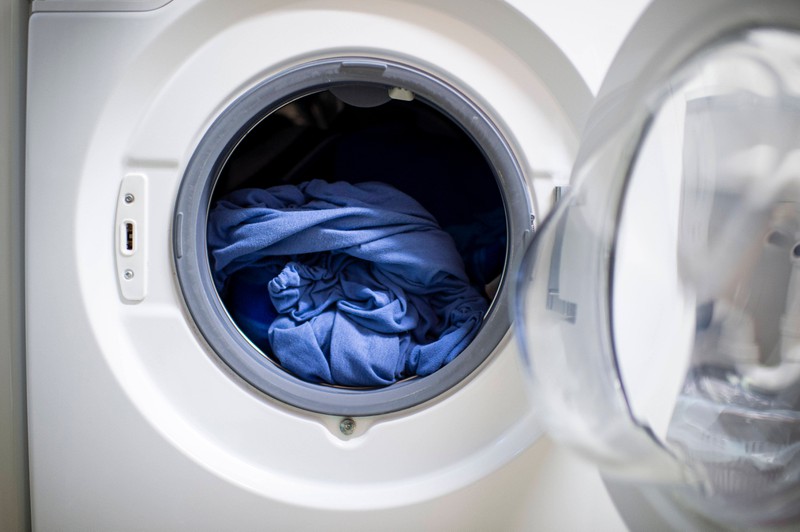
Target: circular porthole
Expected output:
[360,125]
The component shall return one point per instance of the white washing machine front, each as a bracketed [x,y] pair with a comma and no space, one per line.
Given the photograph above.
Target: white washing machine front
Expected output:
[149,407]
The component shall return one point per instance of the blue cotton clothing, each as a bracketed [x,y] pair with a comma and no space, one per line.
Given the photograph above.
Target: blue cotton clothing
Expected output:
[482,245]
[348,284]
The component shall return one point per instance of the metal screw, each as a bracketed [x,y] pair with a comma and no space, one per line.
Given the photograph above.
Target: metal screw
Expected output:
[128,274]
[129,198]
[347,426]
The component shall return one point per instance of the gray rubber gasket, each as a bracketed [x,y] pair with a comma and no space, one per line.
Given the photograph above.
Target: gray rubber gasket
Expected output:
[191,255]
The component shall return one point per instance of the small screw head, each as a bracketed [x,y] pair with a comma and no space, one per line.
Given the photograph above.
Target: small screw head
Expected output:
[347,426]
[129,198]
[128,274]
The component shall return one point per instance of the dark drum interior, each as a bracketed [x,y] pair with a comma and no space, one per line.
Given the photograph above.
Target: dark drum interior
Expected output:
[407,144]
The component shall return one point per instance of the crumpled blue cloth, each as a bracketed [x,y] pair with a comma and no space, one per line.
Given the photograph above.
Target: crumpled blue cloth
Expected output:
[482,245]
[347,284]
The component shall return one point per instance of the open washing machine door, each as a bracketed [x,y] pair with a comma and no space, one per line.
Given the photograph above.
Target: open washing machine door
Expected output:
[659,306]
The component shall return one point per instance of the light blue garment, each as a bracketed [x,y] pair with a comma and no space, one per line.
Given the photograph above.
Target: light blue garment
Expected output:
[364,286]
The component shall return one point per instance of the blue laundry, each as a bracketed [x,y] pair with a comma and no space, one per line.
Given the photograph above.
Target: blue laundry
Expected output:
[401,141]
[482,245]
[349,284]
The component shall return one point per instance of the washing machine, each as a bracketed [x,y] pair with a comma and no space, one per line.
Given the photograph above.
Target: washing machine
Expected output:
[156,403]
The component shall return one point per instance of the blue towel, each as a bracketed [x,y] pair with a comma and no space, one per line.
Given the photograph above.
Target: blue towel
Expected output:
[347,284]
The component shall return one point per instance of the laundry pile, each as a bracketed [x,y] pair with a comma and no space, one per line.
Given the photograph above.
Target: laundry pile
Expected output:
[345,284]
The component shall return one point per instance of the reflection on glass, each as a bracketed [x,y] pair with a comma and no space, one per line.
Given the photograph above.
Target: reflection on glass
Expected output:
[659,307]
[737,419]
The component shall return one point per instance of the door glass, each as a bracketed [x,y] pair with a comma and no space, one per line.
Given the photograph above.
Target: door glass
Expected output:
[659,307]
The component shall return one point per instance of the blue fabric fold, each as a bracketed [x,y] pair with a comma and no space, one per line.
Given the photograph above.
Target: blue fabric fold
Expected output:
[482,245]
[346,284]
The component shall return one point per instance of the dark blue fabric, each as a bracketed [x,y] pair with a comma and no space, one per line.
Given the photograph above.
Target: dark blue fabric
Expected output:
[362,286]
[482,245]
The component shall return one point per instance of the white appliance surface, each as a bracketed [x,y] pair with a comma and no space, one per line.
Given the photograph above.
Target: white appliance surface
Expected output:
[134,424]
[589,33]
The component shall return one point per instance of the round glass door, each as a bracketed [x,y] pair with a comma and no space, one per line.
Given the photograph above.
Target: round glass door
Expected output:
[659,306]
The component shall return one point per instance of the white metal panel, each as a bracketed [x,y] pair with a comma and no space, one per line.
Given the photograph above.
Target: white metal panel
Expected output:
[97,5]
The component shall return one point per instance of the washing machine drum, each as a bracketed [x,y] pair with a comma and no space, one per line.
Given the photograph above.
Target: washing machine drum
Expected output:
[341,234]
[659,307]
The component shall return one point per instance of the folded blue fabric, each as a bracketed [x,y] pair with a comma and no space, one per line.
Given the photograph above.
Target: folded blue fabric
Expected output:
[347,284]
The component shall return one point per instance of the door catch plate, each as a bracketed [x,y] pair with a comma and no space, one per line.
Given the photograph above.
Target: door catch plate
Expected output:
[131,237]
